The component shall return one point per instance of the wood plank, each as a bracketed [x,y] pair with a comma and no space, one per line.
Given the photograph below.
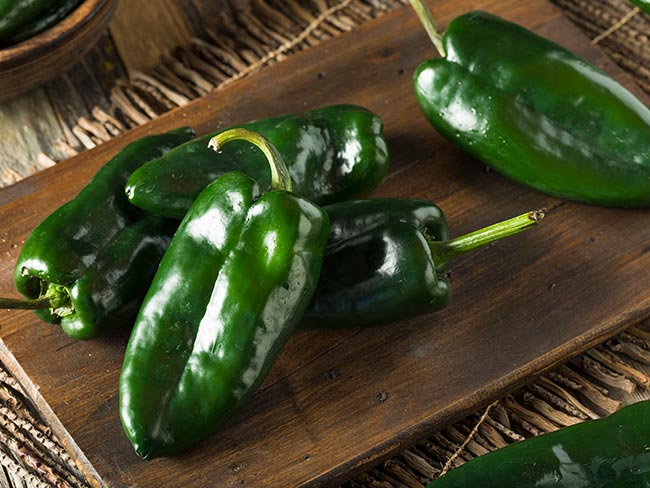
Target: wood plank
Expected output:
[306,426]
[166,27]
[28,127]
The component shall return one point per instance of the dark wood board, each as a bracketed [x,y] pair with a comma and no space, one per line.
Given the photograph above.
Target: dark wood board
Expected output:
[336,402]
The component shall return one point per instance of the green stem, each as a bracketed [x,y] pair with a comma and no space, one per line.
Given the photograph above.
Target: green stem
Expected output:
[443,251]
[280,179]
[427,21]
[55,297]
[37,304]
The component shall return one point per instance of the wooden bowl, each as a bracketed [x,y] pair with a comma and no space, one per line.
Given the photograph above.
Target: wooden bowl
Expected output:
[33,62]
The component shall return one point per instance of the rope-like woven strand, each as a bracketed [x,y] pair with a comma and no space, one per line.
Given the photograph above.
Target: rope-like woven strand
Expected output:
[616,26]
[467,440]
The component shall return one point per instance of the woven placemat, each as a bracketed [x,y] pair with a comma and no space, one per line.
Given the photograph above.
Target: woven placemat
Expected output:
[267,31]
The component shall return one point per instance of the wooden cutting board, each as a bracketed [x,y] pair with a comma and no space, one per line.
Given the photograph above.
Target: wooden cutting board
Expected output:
[337,402]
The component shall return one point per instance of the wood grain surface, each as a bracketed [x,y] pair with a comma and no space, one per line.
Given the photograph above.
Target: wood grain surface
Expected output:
[167,28]
[336,402]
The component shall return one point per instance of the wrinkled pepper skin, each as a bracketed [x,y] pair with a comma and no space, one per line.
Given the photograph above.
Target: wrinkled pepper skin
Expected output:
[333,153]
[613,452]
[537,113]
[98,240]
[378,266]
[228,294]
[642,4]
[56,12]
[14,14]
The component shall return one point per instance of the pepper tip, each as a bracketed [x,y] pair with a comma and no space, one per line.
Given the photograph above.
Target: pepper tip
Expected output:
[214,145]
[536,215]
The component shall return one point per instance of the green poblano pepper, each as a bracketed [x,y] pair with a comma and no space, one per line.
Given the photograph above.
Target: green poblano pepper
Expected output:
[386,260]
[89,263]
[55,12]
[613,452]
[227,296]
[535,112]
[333,153]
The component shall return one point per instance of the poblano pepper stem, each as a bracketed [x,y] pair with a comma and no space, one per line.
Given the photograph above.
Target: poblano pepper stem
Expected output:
[429,25]
[16,304]
[280,179]
[55,297]
[443,251]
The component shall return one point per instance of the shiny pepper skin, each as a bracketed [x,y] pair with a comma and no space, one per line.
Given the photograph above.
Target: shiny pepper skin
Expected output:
[333,153]
[97,251]
[613,452]
[55,12]
[228,294]
[537,113]
[378,266]
[16,13]
[386,260]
